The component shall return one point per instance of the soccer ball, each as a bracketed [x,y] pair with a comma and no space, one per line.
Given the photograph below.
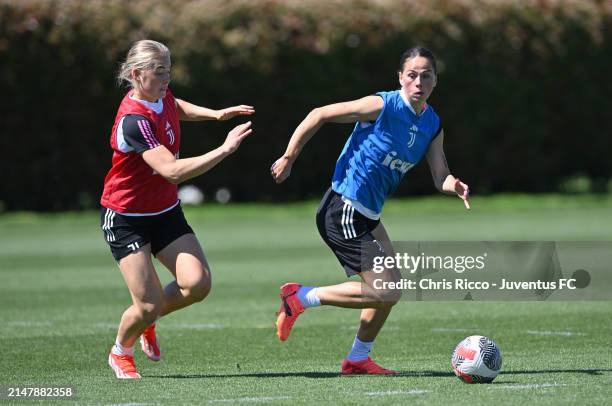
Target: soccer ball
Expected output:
[476,359]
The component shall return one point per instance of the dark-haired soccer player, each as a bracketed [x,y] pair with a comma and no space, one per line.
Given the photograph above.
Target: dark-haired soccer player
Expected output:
[393,131]
[141,214]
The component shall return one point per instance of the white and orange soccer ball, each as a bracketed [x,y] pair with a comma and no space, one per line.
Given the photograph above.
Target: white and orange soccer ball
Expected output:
[476,359]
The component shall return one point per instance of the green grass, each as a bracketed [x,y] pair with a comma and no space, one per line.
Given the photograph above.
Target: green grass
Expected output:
[61,296]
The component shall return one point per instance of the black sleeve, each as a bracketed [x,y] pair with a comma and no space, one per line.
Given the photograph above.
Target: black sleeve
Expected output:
[139,133]
[439,131]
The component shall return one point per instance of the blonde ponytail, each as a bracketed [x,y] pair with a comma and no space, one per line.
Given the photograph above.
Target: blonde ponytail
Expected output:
[144,54]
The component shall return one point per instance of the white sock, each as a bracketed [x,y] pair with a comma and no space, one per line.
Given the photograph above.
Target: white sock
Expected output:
[118,349]
[308,296]
[360,350]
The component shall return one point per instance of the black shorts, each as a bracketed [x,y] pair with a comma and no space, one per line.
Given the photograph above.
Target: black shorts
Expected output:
[126,234]
[347,232]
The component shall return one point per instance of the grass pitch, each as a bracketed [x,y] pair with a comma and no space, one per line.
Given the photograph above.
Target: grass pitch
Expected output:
[61,297]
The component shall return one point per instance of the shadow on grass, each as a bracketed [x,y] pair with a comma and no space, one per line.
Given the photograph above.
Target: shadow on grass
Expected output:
[425,374]
[595,371]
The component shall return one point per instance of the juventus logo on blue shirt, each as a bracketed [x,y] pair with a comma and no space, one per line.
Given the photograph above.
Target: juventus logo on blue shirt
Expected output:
[413,131]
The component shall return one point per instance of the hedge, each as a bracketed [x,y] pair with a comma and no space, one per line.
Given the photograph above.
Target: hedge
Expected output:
[523,88]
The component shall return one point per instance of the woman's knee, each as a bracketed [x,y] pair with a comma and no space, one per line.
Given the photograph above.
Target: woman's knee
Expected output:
[382,293]
[387,298]
[149,312]
[391,297]
[200,288]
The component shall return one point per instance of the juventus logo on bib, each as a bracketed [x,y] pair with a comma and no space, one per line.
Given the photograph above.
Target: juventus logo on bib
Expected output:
[170,133]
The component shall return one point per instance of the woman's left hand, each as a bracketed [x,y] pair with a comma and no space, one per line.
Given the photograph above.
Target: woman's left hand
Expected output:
[463,191]
[231,112]
[281,169]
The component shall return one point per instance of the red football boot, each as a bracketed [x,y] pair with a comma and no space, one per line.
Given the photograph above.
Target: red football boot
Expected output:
[290,309]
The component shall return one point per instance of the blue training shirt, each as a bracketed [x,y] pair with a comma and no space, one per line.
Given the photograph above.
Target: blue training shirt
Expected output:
[377,155]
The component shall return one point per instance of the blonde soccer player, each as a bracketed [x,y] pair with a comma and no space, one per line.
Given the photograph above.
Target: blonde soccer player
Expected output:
[141,215]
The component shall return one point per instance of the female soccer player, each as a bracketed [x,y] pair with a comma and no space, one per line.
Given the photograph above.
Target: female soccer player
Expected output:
[393,131]
[141,214]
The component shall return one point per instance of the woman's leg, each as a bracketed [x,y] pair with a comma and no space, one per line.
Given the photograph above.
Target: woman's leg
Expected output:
[369,293]
[147,295]
[185,259]
[373,319]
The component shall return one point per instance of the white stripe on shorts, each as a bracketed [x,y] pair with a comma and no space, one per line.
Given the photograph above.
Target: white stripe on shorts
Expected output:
[112,223]
[344,230]
[105,225]
[109,218]
[351,222]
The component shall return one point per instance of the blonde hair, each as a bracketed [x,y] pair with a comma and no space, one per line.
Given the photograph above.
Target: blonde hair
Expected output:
[144,54]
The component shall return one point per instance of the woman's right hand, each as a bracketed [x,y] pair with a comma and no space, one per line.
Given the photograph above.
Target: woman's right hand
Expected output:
[231,112]
[281,169]
[235,137]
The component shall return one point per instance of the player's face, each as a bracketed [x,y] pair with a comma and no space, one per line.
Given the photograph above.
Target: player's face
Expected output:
[152,84]
[418,80]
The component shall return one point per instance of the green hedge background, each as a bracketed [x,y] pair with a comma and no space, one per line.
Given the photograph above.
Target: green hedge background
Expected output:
[523,88]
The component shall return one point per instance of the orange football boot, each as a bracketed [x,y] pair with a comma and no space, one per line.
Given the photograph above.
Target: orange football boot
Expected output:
[367,366]
[149,345]
[290,309]
[124,366]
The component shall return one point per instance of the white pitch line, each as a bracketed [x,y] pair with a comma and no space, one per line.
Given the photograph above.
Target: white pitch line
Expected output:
[259,399]
[194,326]
[531,386]
[112,326]
[353,328]
[163,326]
[555,333]
[127,404]
[397,392]
[27,323]
[452,330]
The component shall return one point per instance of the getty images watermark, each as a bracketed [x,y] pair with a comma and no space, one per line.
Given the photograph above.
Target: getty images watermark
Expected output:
[510,270]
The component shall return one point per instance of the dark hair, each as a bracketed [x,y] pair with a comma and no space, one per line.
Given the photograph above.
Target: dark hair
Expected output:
[418,51]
